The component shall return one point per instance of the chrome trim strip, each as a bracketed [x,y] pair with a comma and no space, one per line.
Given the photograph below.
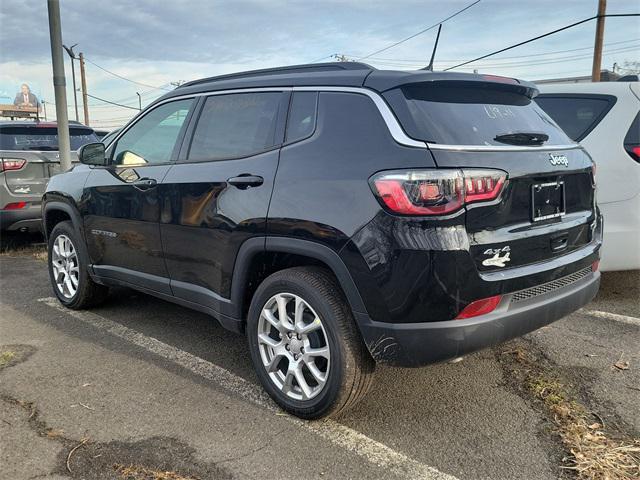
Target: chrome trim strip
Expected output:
[501,148]
[389,118]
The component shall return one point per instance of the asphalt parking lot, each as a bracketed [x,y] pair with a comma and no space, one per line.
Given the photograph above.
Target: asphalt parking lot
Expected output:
[140,386]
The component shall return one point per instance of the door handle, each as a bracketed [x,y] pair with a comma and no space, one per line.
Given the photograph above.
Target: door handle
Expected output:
[245,181]
[145,183]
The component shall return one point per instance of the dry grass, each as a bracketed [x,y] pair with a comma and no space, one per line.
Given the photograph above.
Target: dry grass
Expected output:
[594,454]
[39,252]
[136,472]
[53,433]
[6,357]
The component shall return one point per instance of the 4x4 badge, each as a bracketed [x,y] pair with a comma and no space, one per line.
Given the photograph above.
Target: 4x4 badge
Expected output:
[497,260]
[557,160]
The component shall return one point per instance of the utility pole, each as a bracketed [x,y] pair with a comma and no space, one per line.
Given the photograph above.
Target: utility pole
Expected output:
[83,81]
[597,48]
[139,101]
[59,83]
[72,55]
[44,106]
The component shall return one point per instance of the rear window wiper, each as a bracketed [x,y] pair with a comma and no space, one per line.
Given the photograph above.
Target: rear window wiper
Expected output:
[522,138]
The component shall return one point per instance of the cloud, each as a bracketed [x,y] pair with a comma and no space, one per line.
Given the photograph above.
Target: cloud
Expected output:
[155,42]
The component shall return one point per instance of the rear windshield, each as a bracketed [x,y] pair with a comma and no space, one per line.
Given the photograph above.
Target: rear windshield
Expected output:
[470,115]
[42,138]
[576,114]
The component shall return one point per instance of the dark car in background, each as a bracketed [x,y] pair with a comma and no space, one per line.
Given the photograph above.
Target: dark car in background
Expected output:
[340,216]
[28,158]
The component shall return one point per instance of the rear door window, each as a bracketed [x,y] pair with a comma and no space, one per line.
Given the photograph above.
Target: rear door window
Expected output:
[470,115]
[42,138]
[236,126]
[577,115]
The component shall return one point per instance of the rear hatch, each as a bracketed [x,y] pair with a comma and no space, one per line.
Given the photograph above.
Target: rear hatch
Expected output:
[546,208]
[30,155]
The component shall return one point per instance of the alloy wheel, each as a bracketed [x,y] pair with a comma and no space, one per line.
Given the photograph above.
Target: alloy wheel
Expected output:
[294,346]
[65,265]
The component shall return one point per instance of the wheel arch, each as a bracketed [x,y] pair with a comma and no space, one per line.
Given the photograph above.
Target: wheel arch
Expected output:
[317,253]
[56,211]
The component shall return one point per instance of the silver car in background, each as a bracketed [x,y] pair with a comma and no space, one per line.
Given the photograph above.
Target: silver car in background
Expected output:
[28,158]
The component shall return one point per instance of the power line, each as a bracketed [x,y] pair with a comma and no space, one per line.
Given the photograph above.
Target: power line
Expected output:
[112,103]
[145,92]
[554,52]
[421,31]
[566,27]
[545,61]
[324,58]
[125,78]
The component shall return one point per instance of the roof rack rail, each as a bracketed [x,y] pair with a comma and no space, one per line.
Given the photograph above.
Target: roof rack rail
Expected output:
[310,67]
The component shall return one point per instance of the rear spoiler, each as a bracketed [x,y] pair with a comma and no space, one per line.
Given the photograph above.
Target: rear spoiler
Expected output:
[383,80]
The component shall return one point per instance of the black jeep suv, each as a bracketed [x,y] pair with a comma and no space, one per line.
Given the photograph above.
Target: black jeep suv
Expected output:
[340,216]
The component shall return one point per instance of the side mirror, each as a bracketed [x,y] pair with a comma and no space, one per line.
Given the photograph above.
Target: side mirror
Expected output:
[92,154]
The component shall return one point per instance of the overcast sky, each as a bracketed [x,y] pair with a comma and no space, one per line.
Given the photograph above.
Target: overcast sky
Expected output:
[155,42]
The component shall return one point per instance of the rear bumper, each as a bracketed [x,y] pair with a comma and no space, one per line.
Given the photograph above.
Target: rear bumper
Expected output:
[29,218]
[415,345]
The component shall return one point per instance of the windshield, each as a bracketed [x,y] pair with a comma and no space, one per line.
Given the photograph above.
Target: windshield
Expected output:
[42,138]
[472,115]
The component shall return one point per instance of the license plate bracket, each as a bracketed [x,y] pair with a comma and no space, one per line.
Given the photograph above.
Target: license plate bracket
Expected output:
[547,201]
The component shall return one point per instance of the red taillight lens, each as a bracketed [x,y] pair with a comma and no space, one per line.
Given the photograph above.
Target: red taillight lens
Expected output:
[15,206]
[483,185]
[436,192]
[420,193]
[479,307]
[633,151]
[595,266]
[11,164]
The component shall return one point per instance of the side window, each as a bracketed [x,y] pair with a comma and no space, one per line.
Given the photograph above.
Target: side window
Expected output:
[236,125]
[153,138]
[302,116]
[577,116]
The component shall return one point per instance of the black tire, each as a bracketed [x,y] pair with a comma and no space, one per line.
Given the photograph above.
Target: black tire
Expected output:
[352,368]
[88,293]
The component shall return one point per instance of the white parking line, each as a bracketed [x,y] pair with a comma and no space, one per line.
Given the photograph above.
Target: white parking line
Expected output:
[613,316]
[340,435]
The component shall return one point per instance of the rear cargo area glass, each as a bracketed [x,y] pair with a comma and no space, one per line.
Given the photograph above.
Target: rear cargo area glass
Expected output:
[42,138]
[469,115]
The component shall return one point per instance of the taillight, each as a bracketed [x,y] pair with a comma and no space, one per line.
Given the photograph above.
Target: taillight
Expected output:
[436,192]
[633,151]
[15,206]
[595,266]
[11,164]
[479,307]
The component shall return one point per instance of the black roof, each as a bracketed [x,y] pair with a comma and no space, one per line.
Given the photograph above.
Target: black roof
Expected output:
[344,74]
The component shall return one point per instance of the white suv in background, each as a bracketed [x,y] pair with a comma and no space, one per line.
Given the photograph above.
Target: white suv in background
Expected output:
[604,117]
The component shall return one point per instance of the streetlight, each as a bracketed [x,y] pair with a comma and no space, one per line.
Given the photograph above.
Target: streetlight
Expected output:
[73,76]
[139,101]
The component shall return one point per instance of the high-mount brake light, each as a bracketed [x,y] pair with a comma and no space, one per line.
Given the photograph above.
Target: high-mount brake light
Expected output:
[11,164]
[436,192]
[499,79]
